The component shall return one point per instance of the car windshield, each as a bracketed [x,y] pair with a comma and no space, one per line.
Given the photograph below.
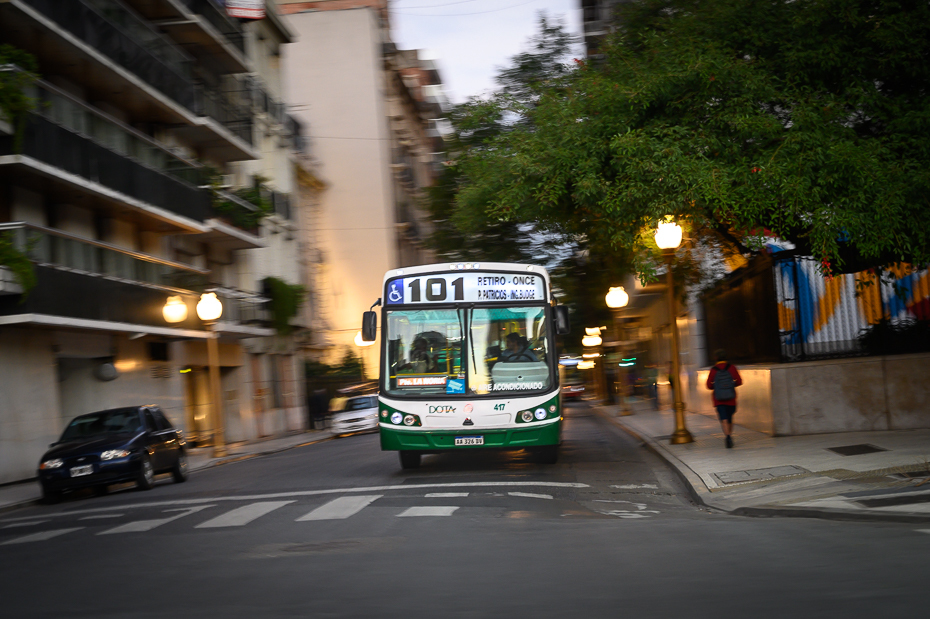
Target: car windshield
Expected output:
[105,422]
[356,404]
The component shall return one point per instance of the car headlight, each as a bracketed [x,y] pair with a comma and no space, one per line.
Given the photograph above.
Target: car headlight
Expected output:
[54,463]
[110,454]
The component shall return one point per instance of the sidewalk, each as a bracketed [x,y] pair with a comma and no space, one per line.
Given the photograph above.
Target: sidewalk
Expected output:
[199,458]
[793,475]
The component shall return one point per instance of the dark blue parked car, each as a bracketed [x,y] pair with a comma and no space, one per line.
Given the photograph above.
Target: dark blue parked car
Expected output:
[112,446]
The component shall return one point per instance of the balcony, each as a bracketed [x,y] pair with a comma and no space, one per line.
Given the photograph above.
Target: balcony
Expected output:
[73,161]
[85,283]
[125,39]
[118,57]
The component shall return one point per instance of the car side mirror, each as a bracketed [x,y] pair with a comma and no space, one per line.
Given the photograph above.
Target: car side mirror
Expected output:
[369,326]
[562,326]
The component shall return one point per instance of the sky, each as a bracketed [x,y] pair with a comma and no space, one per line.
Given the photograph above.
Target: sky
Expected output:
[470,39]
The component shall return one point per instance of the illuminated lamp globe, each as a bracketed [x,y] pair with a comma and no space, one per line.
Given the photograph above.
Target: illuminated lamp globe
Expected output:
[592,330]
[617,297]
[585,365]
[209,308]
[360,342]
[668,235]
[175,310]
[591,340]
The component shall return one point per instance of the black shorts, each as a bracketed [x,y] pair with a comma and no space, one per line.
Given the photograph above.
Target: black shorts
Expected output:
[725,411]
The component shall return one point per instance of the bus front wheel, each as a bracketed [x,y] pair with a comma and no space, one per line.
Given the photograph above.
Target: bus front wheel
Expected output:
[409,459]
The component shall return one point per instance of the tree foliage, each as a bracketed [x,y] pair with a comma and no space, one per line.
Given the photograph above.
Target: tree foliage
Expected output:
[18,74]
[807,119]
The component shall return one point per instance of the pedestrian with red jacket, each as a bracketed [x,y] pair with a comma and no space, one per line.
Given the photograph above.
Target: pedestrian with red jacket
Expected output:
[723,380]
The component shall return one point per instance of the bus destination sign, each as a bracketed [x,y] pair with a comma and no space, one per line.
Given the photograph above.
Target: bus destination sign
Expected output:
[470,287]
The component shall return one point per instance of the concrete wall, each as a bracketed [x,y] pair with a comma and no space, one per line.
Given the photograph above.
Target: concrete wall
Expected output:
[837,395]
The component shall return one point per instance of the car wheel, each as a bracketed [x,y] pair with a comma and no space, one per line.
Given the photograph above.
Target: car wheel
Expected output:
[50,497]
[409,460]
[146,478]
[548,454]
[180,471]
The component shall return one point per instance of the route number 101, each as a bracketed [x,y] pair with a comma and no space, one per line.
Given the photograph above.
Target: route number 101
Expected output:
[436,289]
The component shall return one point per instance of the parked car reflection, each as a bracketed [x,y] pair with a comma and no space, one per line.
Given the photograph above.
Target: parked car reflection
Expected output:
[107,447]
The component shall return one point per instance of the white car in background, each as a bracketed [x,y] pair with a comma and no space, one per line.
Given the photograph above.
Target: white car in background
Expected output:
[360,414]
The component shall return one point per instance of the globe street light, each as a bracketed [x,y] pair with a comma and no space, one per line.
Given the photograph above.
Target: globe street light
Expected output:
[668,238]
[175,310]
[616,299]
[209,309]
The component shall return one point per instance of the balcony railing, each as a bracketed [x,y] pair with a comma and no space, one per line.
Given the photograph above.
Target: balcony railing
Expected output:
[127,40]
[225,25]
[50,247]
[243,307]
[72,152]
[226,107]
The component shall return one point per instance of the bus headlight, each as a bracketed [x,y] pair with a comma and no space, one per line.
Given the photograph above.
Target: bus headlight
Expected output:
[409,420]
[552,408]
[396,418]
[526,415]
[540,413]
[384,414]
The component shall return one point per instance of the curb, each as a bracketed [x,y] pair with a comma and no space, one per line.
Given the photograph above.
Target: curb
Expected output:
[694,484]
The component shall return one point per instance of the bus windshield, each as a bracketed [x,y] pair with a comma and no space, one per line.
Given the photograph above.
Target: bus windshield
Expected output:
[507,351]
[424,352]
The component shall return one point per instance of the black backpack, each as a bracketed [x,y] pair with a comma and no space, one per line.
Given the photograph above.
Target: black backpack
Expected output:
[724,385]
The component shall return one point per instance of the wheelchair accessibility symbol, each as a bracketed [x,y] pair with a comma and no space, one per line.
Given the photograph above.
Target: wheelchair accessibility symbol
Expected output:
[395,295]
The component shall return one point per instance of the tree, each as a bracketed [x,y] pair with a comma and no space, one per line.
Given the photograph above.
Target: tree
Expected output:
[582,265]
[807,119]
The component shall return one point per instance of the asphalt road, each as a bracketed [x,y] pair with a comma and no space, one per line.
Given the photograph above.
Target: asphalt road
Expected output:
[337,529]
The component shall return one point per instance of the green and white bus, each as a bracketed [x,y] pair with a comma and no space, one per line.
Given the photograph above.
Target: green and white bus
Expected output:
[468,360]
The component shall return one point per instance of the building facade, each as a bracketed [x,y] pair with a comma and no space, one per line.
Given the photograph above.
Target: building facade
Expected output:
[134,181]
[373,111]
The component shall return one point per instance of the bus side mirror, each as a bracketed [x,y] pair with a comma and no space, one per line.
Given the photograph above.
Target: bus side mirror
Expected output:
[369,326]
[562,326]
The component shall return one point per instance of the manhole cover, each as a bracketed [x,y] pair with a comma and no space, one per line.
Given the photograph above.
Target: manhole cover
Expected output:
[856,450]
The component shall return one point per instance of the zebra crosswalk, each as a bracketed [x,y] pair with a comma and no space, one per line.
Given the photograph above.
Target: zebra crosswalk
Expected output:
[339,508]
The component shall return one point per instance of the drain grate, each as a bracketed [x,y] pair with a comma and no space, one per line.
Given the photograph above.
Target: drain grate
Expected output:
[856,450]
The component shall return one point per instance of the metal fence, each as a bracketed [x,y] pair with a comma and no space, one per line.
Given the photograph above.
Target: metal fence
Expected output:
[870,312]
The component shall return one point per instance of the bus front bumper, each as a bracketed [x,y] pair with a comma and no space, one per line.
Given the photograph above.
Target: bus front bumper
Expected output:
[532,435]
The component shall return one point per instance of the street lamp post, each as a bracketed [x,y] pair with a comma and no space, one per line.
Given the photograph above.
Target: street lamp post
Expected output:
[617,298]
[209,309]
[668,238]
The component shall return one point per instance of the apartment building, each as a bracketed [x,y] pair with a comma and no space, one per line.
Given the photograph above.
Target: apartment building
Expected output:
[373,110]
[156,166]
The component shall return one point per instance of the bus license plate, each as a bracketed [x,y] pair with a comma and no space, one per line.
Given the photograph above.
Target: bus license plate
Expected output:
[78,471]
[469,440]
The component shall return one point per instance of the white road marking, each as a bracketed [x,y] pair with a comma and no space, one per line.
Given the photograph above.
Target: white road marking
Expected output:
[639,512]
[340,508]
[637,486]
[102,516]
[531,495]
[923,530]
[24,524]
[445,495]
[242,515]
[40,537]
[433,510]
[305,493]
[147,525]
